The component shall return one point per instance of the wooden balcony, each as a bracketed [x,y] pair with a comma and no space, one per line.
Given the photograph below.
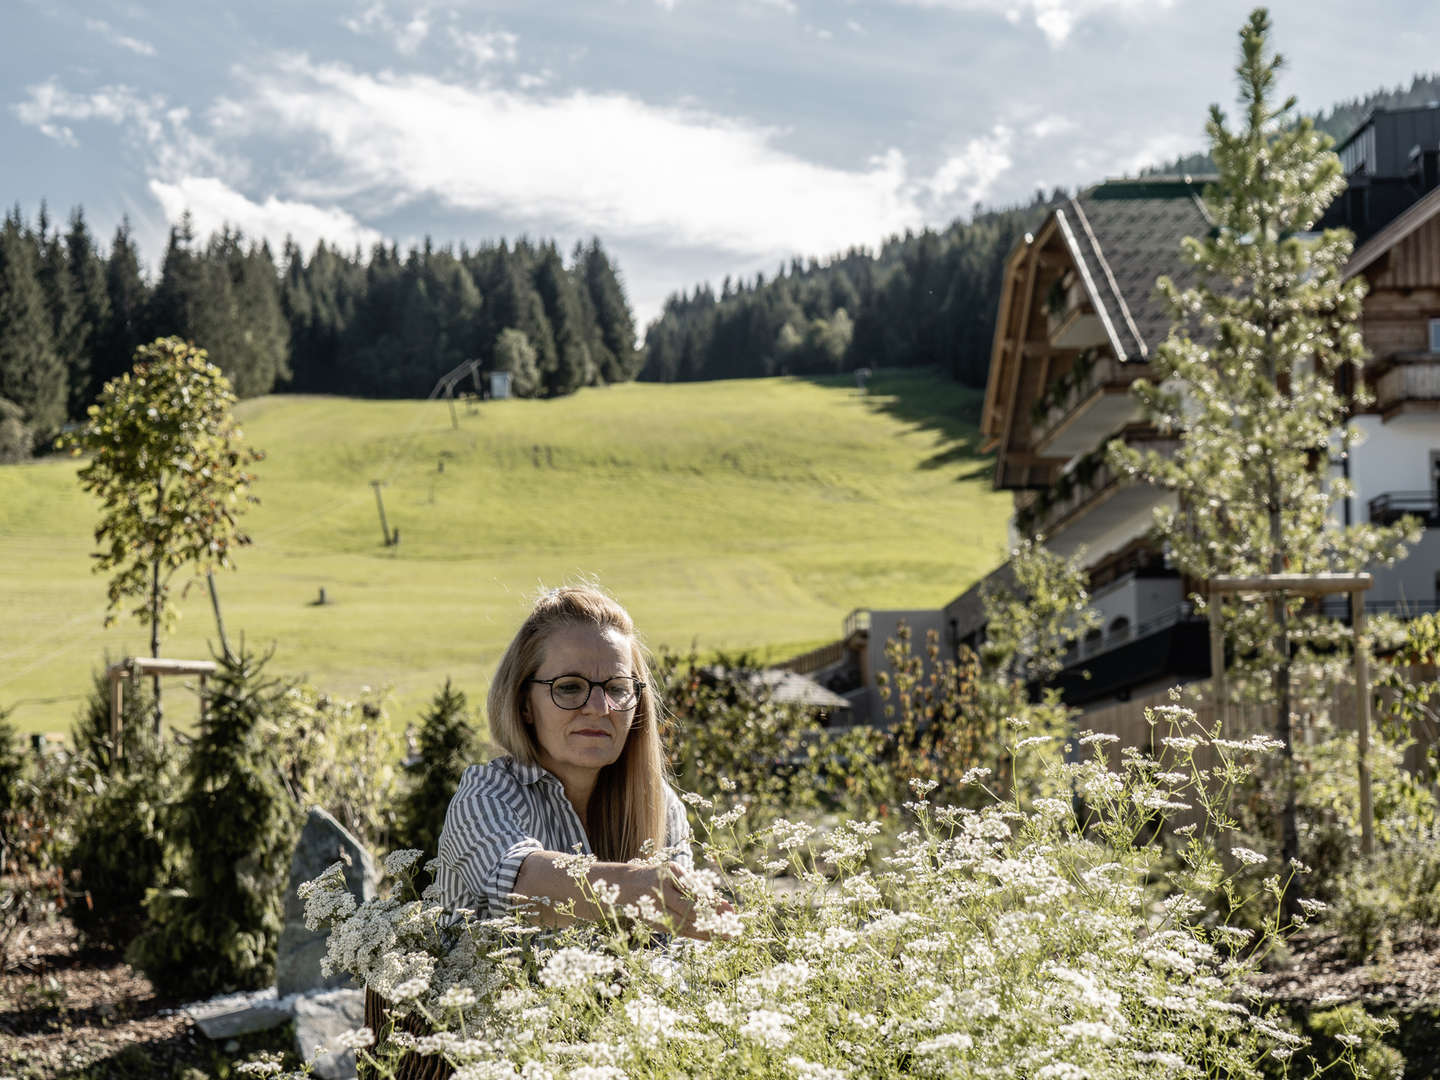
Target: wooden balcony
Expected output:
[1092,494]
[1082,407]
[1071,321]
[1410,382]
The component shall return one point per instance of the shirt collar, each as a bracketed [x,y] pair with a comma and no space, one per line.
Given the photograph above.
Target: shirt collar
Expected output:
[530,772]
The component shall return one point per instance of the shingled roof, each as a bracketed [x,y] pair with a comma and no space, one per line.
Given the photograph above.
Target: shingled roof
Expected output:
[1125,234]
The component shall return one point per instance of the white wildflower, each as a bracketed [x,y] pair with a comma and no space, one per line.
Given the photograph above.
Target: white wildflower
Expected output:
[1093,738]
[952,1041]
[357,1039]
[457,997]
[767,1027]
[975,775]
[572,968]
[1247,856]
[809,1070]
[921,787]
[398,862]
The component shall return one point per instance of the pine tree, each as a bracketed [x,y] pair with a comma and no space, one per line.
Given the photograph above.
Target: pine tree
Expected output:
[612,313]
[448,745]
[87,276]
[32,375]
[63,304]
[234,827]
[1248,376]
[573,365]
[128,297]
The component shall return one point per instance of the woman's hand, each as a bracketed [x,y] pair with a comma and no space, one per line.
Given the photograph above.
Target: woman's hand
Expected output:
[690,903]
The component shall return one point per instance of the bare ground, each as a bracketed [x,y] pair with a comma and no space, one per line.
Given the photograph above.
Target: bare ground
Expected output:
[68,1011]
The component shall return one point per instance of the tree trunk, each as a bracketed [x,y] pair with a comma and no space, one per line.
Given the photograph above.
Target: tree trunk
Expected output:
[155,636]
[155,609]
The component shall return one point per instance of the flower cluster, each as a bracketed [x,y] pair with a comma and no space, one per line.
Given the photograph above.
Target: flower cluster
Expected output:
[1017,940]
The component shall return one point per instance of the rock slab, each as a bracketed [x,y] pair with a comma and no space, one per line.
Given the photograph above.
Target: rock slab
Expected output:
[321,1017]
[240,1014]
[322,842]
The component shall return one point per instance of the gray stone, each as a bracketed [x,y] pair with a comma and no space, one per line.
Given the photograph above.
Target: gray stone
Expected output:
[322,842]
[239,1014]
[318,1019]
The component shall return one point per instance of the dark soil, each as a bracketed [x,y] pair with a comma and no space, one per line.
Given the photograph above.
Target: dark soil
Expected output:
[70,1011]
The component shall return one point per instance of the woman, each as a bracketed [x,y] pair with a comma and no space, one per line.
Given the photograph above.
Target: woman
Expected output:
[572,706]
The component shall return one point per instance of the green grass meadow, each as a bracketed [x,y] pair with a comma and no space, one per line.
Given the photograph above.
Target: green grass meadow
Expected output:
[748,514]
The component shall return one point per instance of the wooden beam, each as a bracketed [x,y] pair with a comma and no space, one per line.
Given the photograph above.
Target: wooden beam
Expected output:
[1012,406]
[145,665]
[1362,722]
[1305,584]
[1217,665]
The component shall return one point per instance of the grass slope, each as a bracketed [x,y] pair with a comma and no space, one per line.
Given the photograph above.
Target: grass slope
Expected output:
[745,514]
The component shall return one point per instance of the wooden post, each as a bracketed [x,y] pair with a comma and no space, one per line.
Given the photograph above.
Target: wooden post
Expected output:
[117,709]
[1217,665]
[380,502]
[1362,721]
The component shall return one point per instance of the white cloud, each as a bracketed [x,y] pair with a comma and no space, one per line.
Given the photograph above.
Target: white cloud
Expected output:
[375,20]
[587,161]
[125,41]
[1054,18]
[1047,126]
[487,48]
[854,27]
[165,131]
[971,174]
[213,205]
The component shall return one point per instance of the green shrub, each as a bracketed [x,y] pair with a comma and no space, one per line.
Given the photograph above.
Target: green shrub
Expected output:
[1349,1034]
[233,831]
[90,734]
[448,744]
[1397,891]
[340,755]
[726,734]
[120,851]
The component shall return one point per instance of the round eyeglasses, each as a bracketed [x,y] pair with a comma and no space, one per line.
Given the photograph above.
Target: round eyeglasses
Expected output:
[573,691]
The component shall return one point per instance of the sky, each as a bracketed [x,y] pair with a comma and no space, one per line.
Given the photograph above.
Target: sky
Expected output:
[695,138]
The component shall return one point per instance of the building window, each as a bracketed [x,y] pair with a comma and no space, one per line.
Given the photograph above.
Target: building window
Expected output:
[1435,335]
[1120,629]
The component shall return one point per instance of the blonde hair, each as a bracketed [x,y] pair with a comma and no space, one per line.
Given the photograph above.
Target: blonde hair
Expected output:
[627,807]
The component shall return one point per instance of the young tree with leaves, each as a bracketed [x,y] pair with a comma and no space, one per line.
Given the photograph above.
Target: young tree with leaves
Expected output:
[1248,377]
[172,473]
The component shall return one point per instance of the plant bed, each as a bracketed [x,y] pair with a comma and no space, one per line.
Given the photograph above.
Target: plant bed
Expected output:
[1402,983]
[68,1010]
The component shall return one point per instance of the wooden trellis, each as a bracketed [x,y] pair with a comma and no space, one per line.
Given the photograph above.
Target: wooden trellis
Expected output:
[1308,585]
[138,667]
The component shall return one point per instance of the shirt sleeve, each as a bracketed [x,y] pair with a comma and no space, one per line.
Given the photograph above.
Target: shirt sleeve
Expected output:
[485,839]
[678,836]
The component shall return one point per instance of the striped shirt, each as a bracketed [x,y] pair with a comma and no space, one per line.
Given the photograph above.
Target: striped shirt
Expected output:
[505,810]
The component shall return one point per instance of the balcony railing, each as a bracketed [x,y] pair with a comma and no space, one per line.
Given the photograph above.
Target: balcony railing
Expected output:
[1084,650]
[855,622]
[1083,405]
[1079,488]
[1393,505]
[1413,377]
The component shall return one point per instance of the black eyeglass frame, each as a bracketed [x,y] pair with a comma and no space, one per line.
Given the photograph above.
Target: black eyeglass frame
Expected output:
[637,685]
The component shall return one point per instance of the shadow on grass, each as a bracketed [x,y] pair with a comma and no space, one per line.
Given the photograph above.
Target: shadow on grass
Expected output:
[925,400]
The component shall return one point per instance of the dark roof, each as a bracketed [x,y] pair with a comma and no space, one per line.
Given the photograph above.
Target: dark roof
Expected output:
[1126,234]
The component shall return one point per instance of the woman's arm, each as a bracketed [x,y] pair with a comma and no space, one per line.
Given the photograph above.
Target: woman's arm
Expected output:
[542,876]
